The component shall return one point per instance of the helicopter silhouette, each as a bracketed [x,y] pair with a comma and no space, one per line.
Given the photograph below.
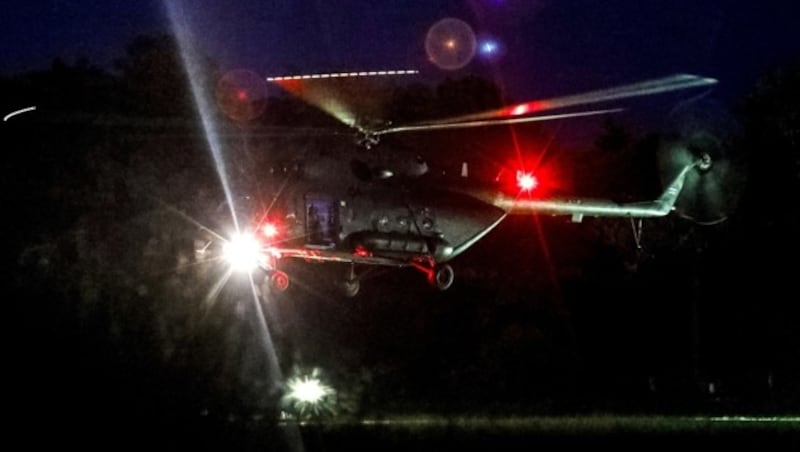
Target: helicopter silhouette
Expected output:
[352,204]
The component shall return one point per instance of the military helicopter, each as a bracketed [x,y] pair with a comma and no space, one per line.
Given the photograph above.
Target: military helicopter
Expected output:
[360,209]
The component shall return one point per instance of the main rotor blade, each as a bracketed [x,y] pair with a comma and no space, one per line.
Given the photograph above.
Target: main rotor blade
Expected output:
[346,96]
[644,88]
[493,122]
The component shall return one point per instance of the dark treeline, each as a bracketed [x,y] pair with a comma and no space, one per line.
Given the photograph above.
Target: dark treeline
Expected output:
[110,309]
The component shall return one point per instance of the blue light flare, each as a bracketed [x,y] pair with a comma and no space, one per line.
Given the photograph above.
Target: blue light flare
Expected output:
[488,47]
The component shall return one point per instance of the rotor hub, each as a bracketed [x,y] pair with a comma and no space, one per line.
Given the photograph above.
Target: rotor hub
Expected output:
[367,138]
[703,135]
[704,162]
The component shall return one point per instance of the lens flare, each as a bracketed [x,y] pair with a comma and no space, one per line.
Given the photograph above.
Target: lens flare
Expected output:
[450,44]
[308,395]
[489,48]
[308,390]
[269,230]
[526,181]
[241,95]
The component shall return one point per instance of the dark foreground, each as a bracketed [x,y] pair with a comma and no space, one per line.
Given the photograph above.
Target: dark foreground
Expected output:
[555,432]
[595,432]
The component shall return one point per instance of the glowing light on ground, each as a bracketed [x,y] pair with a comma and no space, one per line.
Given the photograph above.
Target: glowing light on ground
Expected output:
[308,390]
[754,419]
[18,112]
[308,395]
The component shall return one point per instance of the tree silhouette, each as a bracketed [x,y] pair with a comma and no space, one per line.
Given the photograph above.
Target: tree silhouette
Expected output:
[153,77]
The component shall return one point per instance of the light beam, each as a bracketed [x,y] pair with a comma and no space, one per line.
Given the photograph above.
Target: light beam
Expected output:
[177,16]
[197,80]
[18,112]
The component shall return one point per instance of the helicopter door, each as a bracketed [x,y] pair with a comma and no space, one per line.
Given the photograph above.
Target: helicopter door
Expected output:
[322,221]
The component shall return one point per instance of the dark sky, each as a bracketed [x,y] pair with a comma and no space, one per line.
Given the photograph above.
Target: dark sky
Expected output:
[546,47]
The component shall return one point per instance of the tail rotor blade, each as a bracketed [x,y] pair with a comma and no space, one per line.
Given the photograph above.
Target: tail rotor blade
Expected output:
[701,130]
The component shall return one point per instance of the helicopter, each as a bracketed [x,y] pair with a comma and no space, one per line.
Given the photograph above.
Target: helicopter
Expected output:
[364,210]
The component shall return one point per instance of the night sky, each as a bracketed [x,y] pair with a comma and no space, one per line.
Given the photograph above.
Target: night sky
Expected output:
[543,47]
[113,313]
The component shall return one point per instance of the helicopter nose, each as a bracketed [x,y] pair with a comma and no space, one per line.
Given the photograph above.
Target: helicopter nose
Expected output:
[443,253]
[462,220]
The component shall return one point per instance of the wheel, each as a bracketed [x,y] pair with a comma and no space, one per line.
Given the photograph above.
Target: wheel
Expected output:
[279,281]
[350,287]
[442,277]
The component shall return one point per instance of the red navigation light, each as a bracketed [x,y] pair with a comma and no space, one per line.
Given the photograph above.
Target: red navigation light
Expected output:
[360,251]
[526,181]
[269,230]
[520,110]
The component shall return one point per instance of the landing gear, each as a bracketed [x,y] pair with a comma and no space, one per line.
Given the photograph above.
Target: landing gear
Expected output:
[441,277]
[279,281]
[351,285]
[272,283]
[350,288]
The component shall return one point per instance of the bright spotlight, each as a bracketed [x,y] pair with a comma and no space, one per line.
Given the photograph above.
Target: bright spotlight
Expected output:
[242,252]
[308,395]
[526,181]
[308,390]
[269,230]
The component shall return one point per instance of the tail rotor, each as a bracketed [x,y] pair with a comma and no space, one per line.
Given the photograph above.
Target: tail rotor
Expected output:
[702,133]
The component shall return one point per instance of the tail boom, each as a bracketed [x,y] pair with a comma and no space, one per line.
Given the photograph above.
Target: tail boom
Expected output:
[580,207]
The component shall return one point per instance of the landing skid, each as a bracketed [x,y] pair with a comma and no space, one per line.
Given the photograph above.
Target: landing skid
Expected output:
[439,276]
[351,284]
